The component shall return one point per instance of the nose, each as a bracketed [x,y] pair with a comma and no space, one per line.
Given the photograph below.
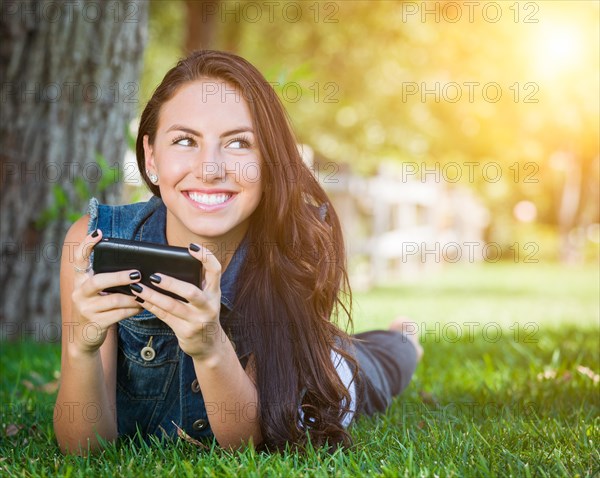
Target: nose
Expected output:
[209,165]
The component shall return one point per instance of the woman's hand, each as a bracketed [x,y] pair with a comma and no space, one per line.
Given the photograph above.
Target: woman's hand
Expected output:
[195,323]
[93,311]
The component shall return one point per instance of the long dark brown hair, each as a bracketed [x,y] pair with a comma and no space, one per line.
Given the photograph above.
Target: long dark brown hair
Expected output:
[292,293]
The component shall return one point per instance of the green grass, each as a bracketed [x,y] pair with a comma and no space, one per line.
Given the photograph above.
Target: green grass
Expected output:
[479,404]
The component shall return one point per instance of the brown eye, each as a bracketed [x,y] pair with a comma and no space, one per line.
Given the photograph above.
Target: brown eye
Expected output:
[239,143]
[184,141]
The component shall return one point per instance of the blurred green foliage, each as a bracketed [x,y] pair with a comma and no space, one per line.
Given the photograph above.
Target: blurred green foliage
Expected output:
[504,98]
[166,34]
[62,207]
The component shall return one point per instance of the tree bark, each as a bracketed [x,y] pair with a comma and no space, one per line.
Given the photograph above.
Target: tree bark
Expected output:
[69,89]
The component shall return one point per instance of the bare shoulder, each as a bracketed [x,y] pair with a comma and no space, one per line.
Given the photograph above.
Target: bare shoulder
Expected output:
[73,238]
[78,230]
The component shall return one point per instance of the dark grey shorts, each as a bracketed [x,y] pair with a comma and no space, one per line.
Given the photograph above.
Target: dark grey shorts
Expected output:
[387,360]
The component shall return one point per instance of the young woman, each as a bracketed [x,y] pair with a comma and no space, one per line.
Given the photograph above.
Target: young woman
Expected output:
[254,355]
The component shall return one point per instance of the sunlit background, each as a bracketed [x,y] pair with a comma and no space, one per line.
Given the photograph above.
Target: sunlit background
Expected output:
[444,132]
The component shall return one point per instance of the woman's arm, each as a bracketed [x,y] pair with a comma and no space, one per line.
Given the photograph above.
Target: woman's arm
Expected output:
[85,406]
[230,395]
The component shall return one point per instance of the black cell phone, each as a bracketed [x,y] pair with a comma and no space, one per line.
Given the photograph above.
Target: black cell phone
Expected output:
[113,255]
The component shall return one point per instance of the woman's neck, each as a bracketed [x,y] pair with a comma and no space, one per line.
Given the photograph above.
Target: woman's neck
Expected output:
[223,247]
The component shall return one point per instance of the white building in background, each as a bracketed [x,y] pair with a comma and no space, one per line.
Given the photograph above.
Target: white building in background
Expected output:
[397,227]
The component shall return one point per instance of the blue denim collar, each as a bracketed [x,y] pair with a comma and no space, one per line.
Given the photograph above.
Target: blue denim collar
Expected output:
[153,230]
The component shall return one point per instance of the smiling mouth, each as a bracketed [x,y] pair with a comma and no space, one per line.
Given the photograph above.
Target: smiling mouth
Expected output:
[209,199]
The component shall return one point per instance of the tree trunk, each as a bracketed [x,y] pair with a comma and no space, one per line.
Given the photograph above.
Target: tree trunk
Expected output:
[202,18]
[69,89]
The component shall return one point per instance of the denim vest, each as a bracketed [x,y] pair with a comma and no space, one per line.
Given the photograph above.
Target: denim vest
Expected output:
[157,390]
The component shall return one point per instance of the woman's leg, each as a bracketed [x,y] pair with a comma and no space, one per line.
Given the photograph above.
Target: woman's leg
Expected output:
[387,360]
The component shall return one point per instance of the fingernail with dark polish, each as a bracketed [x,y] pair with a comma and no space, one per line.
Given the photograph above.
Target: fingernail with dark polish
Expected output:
[194,247]
[135,275]
[136,288]
[95,233]
[156,279]
[139,299]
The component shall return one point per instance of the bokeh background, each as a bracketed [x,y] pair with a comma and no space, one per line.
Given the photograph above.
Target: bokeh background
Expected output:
[445,132]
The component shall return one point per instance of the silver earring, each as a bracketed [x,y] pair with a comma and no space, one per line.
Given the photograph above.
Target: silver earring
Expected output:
[153,177]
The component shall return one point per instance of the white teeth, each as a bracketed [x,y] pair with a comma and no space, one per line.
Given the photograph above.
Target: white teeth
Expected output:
[209,199]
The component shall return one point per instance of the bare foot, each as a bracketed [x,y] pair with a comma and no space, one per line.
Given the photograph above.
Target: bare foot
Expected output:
[410,330]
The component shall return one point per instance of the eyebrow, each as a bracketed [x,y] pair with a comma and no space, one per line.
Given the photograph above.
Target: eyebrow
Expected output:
[185,129]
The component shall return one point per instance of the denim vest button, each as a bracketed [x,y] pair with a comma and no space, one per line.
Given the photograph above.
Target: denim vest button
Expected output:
[200,424]
[148,354]
[195,386]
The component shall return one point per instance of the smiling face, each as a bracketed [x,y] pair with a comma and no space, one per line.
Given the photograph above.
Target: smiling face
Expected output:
[207,162]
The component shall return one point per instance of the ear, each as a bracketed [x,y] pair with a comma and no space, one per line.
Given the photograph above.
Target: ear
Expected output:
[149,155]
